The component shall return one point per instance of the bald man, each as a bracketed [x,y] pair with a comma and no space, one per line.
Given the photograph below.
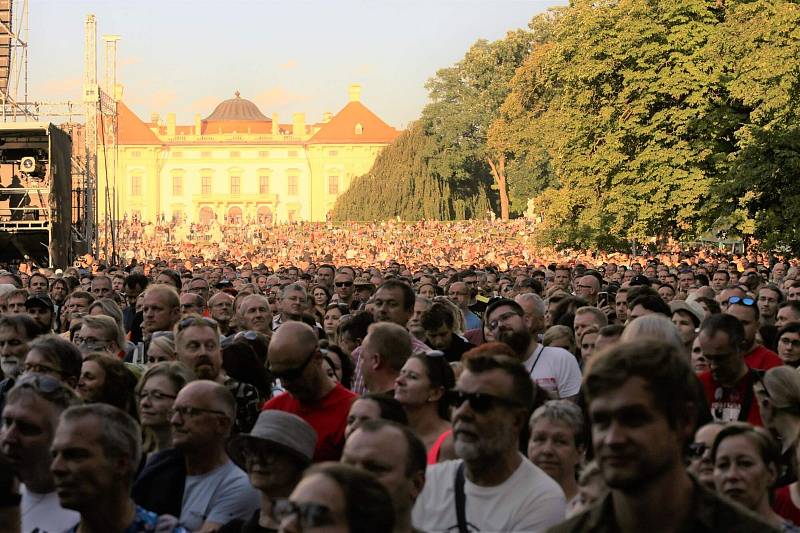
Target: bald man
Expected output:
[295,359]
[196,480]
[587,288]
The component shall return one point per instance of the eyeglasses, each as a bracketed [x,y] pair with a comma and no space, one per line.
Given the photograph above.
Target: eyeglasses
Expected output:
[344,283]
[157,334]
[36,368]
[93,344]
[697,449]
[197,321]
[747,302]
[795,343]
[494,324]
[480,402]
[308,514]
[155,395]
[193,412]
[291,374]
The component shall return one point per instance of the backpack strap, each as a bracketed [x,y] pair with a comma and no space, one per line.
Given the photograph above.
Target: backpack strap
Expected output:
[461,499]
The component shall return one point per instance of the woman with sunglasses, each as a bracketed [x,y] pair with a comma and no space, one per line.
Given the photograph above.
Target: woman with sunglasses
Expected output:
[746,463]
[421,388]
[336,498]
[155,394]
[778,395]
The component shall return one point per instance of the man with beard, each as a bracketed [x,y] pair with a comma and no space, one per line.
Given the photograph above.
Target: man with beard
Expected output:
[496,487]
[16,331]
[296,360]
[197,345]
[642,406]
[30,418]
[553,369]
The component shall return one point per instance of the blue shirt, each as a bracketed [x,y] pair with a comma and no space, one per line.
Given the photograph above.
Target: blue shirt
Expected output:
[143,522]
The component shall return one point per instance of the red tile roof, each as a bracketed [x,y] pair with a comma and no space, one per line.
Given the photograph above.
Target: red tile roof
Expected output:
[131,129]
[342,127]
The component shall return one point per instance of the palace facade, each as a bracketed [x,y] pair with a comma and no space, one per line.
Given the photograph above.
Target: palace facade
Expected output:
[238,165]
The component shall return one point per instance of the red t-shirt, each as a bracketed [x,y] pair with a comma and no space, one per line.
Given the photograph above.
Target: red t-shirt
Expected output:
[762,358]
[727,404]
[328,417]
[784,506]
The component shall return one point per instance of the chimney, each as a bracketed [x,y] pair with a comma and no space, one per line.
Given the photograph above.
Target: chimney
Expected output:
[355,92]
[154,118]
[326,117]
[276,127]
[198,124]
[170,124]
[299,121]
[118,92]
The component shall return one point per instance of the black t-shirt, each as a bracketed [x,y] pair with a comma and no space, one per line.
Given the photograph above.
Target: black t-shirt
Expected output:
[246,526]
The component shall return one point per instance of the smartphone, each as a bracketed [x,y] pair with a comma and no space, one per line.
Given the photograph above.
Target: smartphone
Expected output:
[602,299]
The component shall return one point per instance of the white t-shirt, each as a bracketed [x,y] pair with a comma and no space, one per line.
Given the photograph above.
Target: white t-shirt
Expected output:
[219,496]
[528,501]
[43,513]
[556,371]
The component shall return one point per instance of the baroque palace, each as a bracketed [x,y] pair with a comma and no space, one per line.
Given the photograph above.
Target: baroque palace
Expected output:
[238,165]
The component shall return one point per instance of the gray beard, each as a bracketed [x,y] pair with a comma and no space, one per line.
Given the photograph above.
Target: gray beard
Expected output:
[11,367]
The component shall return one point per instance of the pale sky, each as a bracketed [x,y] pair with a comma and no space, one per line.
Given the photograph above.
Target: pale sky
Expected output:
[186,56]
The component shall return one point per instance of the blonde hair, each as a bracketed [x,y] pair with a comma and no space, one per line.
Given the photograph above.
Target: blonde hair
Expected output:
[783,386]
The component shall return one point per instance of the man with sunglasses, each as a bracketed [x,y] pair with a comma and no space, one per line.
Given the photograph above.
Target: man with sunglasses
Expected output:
[343,286]
[296,360]
[755,355]
[493,487]
[728,384]
[209,490]
[30,418]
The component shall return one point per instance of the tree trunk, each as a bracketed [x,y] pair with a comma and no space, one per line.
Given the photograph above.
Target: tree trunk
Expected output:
[499,175]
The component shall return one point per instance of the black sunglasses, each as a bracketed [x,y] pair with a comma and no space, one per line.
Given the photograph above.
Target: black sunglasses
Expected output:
[480,402]
[697,449]
[344,283]
[308,514]
[291,374]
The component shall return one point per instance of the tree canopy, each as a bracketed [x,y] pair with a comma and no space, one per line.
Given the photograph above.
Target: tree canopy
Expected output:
[613,120]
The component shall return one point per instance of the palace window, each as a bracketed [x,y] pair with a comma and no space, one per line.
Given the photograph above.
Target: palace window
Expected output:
[292,153]
[136,154]
[263,184]
[293,185]
[236,185]
[359,129]
[263,154]
[205,155]
[333,184]
[205,185]
[333,153]
[177,155]
[177,185]
[136,185]
[236,155]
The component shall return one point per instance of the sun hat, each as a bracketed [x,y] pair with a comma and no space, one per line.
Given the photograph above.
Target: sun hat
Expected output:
[284,431]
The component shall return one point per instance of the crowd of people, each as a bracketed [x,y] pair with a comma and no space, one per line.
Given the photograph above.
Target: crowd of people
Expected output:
[399,378]
[457,244]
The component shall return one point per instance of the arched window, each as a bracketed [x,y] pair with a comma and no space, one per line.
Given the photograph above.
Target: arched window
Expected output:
[359,129]
[206,215]
[264,215]
[136,185]
[235,215]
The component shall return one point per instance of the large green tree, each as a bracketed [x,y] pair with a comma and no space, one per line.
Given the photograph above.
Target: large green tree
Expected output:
[757,53]
[614,122]
[465,99]
[401,183]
